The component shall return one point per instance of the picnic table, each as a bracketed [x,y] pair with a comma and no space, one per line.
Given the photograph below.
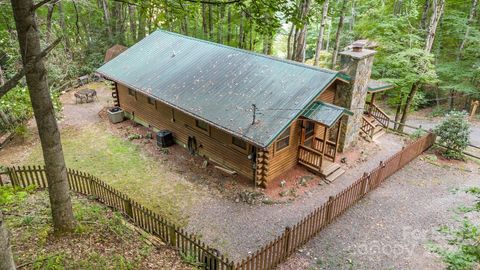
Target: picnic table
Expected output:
[85,94]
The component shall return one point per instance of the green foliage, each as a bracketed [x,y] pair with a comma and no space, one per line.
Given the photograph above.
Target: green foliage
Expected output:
[454,132]
[464,251]
[417,134]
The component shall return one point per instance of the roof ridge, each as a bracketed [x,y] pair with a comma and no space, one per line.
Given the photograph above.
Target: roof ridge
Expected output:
[287,61]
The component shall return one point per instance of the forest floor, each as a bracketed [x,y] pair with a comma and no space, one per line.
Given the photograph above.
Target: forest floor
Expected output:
[176,185]
[395,226]
[103,239]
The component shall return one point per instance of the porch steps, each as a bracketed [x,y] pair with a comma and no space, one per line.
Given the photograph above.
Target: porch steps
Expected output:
[378,134]
[335,175]
[331,168]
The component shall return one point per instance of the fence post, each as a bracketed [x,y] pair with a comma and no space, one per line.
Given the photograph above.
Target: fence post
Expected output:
[366,180]
[330,209]
[173,236]
[128,207]
[10,175]
[288,232]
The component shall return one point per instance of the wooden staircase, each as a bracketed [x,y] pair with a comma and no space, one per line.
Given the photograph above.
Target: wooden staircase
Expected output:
[371,129]
[375,121]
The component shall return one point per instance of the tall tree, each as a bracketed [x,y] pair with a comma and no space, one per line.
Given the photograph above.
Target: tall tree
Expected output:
[339,33]
[36,77]
[438,7]
[301,35]
[6,257]
[321,32]
[471,20]
[133,22]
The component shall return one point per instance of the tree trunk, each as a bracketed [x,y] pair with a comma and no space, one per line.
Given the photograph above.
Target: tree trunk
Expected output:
[204,21]
[321,33]
[6,257]
[301,38]
[471,20]
[64,27]
[229,25]
[438,7]
[141,23]
[241,31]
[408,104]
[50,7]
[339,33]
[106,17]
[118,14]
[289,41]
[450,100]
[2,78]
[36,77]
[133,22]
[426,8]
[398,110]
[210,22]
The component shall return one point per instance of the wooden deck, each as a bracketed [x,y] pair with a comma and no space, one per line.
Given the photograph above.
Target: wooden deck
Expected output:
[316,162]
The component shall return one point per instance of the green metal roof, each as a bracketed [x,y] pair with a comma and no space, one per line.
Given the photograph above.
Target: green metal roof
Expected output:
[378,86]
[324,113]
[218,84]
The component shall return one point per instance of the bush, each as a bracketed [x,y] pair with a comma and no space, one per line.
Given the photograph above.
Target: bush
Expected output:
[454,132]
[417,134]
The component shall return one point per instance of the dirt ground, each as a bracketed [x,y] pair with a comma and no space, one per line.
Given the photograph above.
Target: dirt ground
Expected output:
[395,225]
[225,211]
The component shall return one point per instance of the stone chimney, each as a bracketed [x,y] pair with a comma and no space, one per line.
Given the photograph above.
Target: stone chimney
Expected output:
[356,63]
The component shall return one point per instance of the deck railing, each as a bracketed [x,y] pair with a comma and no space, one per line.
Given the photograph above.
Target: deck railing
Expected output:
[378,114]
[330,148]
[310,157]
[268,256]
[367,127]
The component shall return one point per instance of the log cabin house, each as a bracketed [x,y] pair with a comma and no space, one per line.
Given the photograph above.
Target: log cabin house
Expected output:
[251,113]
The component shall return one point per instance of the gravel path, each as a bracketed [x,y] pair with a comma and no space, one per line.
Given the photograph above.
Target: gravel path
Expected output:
[392,227]
[237,229]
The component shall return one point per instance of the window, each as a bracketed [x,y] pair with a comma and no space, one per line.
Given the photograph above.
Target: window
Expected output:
[131,92]
[239,143]
[309,129]
[283,140]
[151,100]
[201,125]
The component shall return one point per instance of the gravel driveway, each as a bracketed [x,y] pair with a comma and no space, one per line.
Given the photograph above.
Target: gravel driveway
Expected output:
[392,226]
[237,229]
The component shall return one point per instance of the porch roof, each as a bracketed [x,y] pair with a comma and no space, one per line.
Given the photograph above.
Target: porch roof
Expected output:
[324,113]
[378,86]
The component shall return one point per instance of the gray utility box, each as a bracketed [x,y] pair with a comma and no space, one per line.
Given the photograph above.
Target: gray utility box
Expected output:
[115,115]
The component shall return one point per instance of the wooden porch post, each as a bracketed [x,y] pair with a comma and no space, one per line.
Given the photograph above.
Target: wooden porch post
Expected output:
[302,134]
[337,139]
[372,103]
[324,145]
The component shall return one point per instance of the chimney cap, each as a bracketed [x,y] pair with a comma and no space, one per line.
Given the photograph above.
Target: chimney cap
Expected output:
[358,45]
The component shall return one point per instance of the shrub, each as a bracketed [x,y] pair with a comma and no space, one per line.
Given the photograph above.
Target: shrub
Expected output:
[454,132]
[417,134]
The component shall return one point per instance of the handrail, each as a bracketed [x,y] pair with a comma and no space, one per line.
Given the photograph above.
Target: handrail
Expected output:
[367,127]
[378,114]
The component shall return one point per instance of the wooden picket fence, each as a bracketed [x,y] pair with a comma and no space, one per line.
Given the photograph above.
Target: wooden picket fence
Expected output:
[267,257]
[84,183]
[278,250]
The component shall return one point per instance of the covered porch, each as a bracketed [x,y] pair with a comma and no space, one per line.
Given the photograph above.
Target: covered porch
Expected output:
[320,136]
